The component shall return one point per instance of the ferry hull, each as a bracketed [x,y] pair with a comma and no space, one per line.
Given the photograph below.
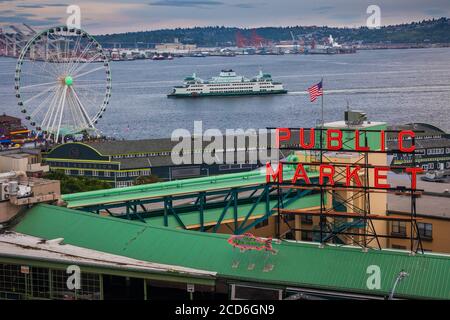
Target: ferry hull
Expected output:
[222,94]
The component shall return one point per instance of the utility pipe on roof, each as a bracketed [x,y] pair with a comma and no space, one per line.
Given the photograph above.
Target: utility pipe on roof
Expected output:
[12,174]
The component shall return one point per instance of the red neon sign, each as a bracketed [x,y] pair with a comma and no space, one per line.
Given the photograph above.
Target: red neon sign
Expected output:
[334,139]
[334,142]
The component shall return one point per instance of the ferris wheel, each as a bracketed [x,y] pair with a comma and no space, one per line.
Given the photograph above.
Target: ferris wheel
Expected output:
[63,82]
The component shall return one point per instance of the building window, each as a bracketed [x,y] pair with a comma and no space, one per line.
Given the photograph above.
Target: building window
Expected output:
[67,172]
[399,227]
[307,219]
[107,174]
[121,174]
[94,173]
[122,184]
[425,230]
[133,174]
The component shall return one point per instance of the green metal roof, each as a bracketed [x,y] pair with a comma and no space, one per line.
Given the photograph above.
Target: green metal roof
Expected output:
[161,189]
[295,264]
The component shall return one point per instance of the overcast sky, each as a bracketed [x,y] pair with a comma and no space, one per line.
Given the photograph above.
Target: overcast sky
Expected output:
[109,16]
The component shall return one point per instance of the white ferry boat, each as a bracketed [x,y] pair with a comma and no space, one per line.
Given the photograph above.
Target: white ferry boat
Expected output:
[228,84]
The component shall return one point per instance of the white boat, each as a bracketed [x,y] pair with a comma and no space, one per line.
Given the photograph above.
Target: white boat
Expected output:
[228,83]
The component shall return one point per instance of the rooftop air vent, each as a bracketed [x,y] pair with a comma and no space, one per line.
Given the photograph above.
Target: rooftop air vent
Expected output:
[353,117]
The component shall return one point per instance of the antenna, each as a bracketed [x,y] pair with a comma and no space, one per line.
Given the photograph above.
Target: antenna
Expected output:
[346,114]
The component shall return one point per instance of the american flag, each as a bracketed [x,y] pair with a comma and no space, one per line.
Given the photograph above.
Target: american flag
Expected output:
[315,91]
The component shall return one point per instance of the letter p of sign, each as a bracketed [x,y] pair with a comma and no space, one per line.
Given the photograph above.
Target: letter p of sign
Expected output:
[374,280]
[74,280]
[74,19]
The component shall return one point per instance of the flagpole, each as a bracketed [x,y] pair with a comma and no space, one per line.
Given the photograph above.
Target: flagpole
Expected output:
[323,93]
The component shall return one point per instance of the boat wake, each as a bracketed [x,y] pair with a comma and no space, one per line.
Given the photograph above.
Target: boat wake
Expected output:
[443,88]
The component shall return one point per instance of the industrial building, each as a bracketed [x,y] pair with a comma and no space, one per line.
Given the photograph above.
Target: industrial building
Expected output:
[432,144]
[121,162]
[175,48]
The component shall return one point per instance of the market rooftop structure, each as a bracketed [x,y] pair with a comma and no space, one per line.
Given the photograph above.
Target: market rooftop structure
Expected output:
[297,267]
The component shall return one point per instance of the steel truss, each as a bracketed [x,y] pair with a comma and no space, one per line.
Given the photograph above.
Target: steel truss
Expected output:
[334,225]
[173,208]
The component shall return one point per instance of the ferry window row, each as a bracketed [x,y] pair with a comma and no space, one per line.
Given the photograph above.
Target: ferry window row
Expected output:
[231,89]
[234,90]
[230,84]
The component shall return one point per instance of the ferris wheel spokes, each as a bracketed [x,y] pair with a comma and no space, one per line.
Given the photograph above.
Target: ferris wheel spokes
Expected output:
[49,114]
[61,108]
[42,104]
[40,94]
[78,75]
